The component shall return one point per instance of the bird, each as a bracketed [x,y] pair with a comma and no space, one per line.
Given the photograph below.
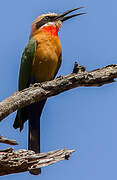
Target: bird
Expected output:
[40,62]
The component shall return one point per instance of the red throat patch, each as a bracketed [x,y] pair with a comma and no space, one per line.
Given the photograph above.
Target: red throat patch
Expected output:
[51,29]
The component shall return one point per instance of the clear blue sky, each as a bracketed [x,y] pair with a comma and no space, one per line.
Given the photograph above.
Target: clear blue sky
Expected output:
[84,118]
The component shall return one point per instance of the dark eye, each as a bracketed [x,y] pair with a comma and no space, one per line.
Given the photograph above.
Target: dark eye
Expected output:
[47,18]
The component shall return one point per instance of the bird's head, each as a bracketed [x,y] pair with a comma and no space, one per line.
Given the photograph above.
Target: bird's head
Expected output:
[52,21]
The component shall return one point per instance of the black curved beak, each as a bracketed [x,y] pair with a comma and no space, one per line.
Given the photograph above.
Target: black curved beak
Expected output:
[63,16]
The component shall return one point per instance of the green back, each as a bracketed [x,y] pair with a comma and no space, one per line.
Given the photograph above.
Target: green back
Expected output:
[26,64]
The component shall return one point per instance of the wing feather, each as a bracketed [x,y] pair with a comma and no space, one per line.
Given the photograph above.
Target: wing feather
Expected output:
[24,76]
[26,64]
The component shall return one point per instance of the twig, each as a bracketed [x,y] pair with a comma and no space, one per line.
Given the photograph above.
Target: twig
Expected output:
[7,141]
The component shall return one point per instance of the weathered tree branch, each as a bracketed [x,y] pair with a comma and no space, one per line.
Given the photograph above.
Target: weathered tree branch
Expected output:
[79,77]
[26,160]
[8,141]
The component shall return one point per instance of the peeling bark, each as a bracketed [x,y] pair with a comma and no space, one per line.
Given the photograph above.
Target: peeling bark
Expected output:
[26,160]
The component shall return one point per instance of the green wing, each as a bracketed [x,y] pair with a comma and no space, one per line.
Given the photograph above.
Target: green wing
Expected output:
[26,64]
[24,76]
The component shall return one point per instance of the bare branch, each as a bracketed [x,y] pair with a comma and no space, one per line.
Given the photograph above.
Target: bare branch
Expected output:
[26,160]
[8,141]
[79,77]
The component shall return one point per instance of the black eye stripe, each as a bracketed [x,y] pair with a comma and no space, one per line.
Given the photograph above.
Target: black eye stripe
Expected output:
[50,17]
[47,17]
[41,23]
[45,20]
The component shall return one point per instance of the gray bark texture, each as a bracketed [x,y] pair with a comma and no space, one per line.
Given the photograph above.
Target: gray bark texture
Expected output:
[39,91]
[26,160]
